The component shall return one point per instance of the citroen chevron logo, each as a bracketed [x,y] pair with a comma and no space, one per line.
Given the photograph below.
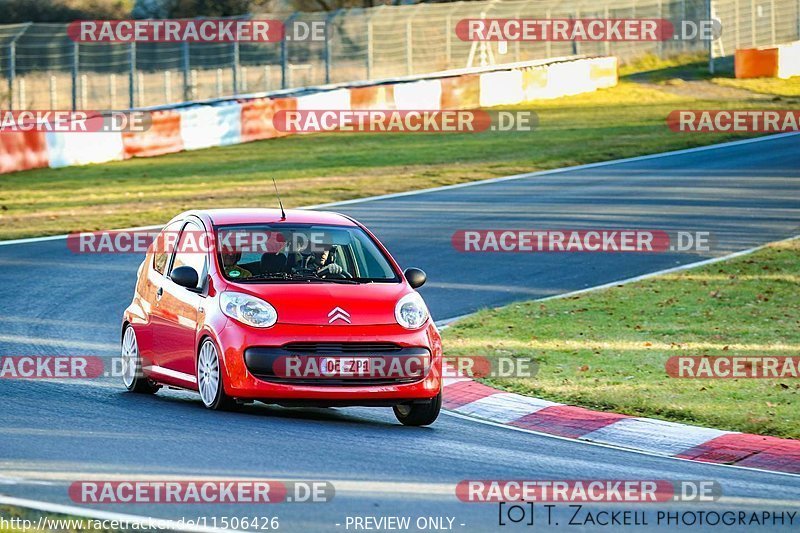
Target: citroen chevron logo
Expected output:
[337,313]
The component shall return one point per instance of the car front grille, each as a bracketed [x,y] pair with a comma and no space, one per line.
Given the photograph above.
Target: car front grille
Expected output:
[341,347]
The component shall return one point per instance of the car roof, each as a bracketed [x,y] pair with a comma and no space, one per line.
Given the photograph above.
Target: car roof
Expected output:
[225,217]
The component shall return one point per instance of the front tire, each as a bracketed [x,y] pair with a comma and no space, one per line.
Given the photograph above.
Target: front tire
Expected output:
[132,376]
[419,414]
[209,379]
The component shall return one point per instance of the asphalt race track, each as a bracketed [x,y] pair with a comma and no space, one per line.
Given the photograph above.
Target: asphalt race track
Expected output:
[55,302]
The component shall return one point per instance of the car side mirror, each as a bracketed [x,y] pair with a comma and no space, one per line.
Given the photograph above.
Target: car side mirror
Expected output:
[415,277]
[185,276]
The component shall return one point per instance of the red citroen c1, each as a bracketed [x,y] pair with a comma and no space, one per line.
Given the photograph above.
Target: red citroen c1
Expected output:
[302,308]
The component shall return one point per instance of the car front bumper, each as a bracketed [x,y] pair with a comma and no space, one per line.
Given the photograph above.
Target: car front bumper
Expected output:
[235,341]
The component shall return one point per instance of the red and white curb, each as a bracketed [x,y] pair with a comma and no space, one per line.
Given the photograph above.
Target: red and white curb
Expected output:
[658,437]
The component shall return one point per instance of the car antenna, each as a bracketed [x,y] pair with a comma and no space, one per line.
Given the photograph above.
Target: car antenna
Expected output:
[283,213]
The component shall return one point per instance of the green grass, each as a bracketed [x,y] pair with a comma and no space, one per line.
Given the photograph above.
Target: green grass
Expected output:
[606,350]
[625,121]
[70,523]
[778,87]
[653,68]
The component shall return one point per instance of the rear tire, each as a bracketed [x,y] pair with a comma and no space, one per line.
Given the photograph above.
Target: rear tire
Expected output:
[419,414]
[209,379]
[132,376]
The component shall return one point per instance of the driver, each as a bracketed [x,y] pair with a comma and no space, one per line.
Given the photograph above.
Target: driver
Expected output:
[232,270]
[322,261]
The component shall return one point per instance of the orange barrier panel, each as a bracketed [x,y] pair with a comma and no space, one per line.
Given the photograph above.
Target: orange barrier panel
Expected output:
[22,151]
[374,97]
[461,92]
[756,63]
[162,137]
[257,117]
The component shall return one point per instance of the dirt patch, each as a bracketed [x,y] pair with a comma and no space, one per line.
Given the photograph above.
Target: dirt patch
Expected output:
[705,90]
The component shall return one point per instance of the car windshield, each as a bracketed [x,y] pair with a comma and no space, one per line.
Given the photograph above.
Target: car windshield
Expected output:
[300,254]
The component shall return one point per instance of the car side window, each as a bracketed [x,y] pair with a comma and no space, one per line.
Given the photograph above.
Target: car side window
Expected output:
[163,246]
[190,251]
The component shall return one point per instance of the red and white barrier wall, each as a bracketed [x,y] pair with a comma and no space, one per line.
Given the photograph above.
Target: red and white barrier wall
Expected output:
[248,119]
[780,61]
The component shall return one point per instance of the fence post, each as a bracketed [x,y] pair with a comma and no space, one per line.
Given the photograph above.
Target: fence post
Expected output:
[710,43]
[187,85]
[132,76]
[683,17]
[285,52]
[75,67]
[12,71]
[660,43]
[548,44]
[328,31]
[236,68]
[370,50]
[12,66]
[576,47]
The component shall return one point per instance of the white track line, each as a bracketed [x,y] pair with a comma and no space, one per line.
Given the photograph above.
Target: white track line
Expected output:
[480,182]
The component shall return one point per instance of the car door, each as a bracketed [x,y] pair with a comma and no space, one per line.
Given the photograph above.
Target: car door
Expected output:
[152,279]
[177,308]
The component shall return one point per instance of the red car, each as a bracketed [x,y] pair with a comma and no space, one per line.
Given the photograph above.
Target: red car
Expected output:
[296,308]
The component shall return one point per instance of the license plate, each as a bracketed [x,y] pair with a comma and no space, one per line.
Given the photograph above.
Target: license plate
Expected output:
[344,366]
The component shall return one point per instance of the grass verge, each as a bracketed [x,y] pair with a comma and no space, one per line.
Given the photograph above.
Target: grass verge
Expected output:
[606,350]
[20,520]
[625,121]
[775,86]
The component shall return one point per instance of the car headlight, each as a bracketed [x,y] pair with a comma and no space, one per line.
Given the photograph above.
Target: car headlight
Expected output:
[248,309]
[411,311]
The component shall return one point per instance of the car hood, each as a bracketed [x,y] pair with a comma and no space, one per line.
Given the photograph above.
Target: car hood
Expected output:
[330,303]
